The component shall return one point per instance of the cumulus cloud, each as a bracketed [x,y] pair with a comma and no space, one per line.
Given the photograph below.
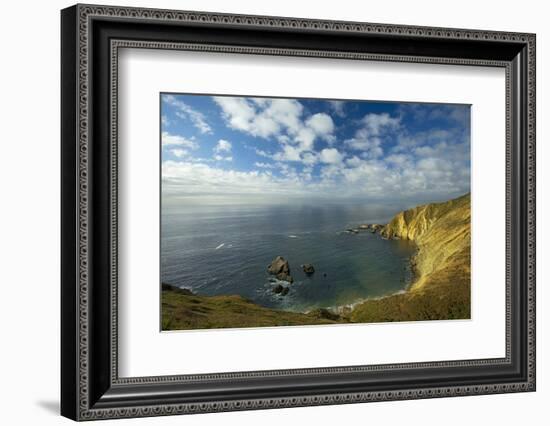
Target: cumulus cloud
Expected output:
[281,119]
[260,117]
[375,124]
[222,146]
[320,123]
[288,153]
[179,153]
[331,156]
[222,151]
[310,158]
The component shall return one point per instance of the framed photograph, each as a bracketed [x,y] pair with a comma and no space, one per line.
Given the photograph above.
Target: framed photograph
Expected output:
[263,212]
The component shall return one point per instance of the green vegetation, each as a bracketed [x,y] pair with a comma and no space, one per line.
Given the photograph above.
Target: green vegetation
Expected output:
[183,310]
[441,289]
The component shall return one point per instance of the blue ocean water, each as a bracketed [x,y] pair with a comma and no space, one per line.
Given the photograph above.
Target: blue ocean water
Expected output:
[222,250]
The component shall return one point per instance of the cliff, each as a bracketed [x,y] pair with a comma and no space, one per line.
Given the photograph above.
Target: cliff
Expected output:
[441,288]
[442,233]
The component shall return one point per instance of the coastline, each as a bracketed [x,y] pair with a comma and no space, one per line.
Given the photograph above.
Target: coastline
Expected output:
[438,289]
[347,307]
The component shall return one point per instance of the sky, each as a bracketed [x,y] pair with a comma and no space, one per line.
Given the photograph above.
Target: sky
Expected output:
[234,149]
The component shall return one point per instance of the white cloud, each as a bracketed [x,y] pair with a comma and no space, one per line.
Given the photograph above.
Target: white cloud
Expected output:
[179,153]
[428,177]
[309,158]
[354,161]
[362,179]
[434,165]
[362,142]
[197,179]
[168,139]
[184,111]
[300,158]
[337,107]
[424,151]
[330,172]
[288,153]
[264,165]
[377,123]
[368,172]
[222,151]
[370,137]
[330,156]
[282,119]
[305,138]
[260,117]
[321,124]
[399,160]
[222,146]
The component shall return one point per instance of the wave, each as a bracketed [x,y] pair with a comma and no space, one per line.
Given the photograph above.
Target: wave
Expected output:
[220,246]
[340,309]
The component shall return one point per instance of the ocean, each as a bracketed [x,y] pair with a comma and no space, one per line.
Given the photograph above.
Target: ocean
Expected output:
[225,250]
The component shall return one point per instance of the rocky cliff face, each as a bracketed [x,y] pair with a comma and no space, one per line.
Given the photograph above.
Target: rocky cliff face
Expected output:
[441,289]
[442,233]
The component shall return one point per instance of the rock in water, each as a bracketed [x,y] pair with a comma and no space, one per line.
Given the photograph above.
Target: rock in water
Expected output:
[278,265]
[308,269]
[280,268]
[285,277]
[278,289]
[281,289]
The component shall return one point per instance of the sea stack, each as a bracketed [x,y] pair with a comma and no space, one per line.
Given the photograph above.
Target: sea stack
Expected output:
[308,269]
[280,268]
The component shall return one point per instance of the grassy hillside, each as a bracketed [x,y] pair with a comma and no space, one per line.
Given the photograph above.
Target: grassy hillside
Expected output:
[183,310]
[441,289]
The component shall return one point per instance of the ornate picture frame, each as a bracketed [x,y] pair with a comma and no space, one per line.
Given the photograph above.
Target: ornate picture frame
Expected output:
[91,37]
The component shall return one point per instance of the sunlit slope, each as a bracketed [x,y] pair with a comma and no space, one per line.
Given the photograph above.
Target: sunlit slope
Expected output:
[441,289]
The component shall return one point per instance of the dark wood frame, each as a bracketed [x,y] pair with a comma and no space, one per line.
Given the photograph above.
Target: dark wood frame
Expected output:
[91,37]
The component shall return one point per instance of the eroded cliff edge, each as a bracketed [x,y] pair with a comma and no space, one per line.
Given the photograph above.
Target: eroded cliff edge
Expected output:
[441,266]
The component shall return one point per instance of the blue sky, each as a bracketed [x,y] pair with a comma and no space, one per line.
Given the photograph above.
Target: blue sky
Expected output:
[251,149]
